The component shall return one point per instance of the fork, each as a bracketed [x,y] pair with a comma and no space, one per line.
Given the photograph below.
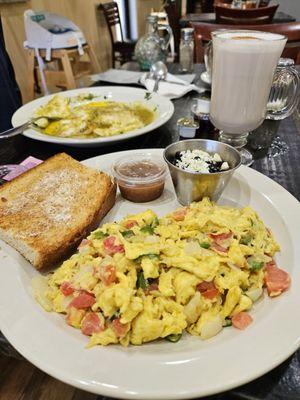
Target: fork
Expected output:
[15,131]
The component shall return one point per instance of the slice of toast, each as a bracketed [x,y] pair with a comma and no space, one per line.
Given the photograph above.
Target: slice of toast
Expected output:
[48,210]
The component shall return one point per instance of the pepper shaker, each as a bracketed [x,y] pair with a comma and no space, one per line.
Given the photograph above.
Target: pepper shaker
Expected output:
[186,50]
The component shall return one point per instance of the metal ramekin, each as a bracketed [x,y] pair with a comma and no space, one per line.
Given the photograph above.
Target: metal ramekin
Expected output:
[193,186]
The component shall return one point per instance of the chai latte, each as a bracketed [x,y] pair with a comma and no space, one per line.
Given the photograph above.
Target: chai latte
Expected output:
[243,67]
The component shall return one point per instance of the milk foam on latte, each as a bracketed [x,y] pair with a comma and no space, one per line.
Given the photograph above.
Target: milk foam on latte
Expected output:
[244,63]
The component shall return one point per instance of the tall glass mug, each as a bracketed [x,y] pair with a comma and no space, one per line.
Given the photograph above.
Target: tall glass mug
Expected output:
[244,63]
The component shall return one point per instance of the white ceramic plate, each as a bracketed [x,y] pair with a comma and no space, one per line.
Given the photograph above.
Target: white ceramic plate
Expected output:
[162,370]
[163,106]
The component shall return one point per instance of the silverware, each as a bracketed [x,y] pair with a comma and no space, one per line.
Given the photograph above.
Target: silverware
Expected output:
[15,131]
[178,83]
[193,186]
[159,72]
[152,74]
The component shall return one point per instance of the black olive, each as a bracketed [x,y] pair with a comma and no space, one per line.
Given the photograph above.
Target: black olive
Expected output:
[215,166]
[177,155]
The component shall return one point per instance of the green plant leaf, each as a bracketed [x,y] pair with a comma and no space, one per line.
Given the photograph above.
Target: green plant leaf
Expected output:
[99,235]
[141,282]
[205,245]
[256,265]
[127,234]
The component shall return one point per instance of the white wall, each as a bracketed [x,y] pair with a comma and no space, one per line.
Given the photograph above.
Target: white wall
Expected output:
[133,19]
[291,7]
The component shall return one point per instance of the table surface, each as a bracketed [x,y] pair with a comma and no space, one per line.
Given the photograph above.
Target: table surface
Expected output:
[21,380]
[279,18]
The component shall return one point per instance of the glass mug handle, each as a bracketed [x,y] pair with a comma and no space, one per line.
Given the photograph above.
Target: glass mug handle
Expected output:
[284,95]
[166,41]
[208,54]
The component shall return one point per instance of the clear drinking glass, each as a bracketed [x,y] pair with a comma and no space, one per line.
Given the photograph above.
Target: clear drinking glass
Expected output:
[244,63]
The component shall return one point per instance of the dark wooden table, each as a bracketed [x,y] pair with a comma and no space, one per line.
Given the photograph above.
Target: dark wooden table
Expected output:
[20,380]
[279,18]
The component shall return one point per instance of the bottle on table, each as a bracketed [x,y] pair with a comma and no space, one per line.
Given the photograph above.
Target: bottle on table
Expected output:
[186,50]
[151,47]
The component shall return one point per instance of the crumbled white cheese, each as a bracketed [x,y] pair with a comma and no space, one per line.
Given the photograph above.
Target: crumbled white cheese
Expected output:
[224,166]
[217,157]
[193,160]
[199,161]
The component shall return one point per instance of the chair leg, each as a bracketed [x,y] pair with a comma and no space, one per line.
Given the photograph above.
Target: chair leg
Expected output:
[199,49]
[93,59]
[37,87]
[30,66]
[70,80]
[113,59]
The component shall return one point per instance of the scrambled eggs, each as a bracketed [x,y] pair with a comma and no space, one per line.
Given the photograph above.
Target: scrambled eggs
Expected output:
[197,269]
[81,117]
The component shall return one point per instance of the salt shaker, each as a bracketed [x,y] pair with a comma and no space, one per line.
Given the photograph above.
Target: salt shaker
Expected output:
[186,50]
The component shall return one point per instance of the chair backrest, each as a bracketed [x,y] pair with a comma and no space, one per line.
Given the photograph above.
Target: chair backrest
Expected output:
[112,17]
[173,12]
[264,3]
[202,34]
[220,2]
[251,16]
[207,6]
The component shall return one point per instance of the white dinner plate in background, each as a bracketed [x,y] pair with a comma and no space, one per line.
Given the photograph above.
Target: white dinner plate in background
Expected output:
[163,106]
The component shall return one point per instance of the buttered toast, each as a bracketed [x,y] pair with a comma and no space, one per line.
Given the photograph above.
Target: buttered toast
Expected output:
[48,210]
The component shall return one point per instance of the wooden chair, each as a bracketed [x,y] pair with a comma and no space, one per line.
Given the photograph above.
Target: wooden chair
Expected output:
[173,12]
[207,6]
[123,50]
[251,16]
[264,3]
[66,66]
[202,35]
[227,3]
